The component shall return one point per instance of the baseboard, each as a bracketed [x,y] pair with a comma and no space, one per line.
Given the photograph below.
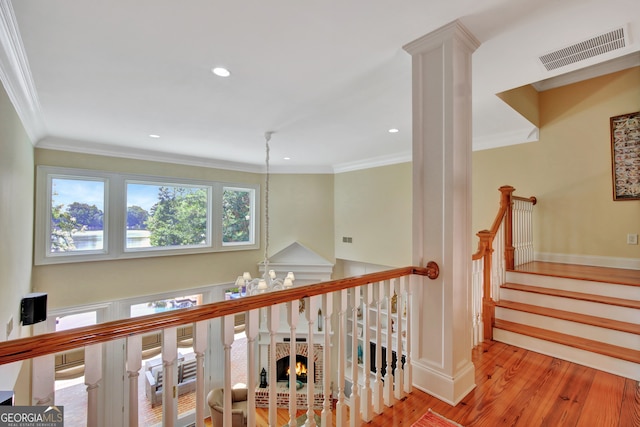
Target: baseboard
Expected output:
[598,261]
[437,384]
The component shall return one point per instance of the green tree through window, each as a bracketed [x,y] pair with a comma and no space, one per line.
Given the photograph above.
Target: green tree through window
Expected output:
[179,217]
[236,215]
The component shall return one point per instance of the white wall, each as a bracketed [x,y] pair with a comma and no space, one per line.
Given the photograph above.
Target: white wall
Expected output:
[16,230]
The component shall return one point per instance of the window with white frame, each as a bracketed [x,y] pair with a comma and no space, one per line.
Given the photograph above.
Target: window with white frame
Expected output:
[84,215]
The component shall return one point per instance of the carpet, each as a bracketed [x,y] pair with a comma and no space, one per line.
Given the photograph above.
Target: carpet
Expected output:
[303,418]
[433,419]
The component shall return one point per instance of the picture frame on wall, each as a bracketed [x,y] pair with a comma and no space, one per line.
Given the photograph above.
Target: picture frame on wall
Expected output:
[625,156]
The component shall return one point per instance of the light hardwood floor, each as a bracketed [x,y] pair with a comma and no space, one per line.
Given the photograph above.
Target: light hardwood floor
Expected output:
[517,387]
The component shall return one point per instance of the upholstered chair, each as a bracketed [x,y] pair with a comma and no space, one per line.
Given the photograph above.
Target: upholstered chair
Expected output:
[215,399]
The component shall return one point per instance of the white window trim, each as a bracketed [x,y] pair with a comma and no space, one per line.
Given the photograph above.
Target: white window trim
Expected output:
[115,217]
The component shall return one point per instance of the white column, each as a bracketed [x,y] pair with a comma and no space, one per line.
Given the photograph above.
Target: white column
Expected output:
[293,315]
[327,310]
[200,334]
[43,380]
[169,376]
[251,326]
[442,232]
[134,363]
[92,377]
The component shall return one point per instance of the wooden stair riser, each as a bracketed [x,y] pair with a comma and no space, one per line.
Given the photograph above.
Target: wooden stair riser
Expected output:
[619,338]
[574,285]
[598,361]
[623,314]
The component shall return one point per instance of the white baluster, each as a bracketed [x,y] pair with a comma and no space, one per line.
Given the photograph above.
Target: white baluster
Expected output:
[367,392]
[134,363]
[43,380]
[388,375]
[408,367]
[378,385]
[341,408]
[399,373]
[200,330]
[169,376]
[92,377]
[293,315]
[354,413]
[252,324]
[327,310]
[228,330]
[311,313]
[273,321]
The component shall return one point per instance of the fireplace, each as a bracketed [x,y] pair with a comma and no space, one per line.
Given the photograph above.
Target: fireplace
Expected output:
[283,367]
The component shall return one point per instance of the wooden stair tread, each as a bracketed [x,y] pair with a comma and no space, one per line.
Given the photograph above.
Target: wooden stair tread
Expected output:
[619,276]
[575,295]
[570,340]
[602,322]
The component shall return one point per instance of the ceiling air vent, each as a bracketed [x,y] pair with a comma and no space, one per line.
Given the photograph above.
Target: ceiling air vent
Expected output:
[587,49]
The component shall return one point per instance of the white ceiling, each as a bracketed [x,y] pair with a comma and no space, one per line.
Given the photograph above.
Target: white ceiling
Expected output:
[328,77]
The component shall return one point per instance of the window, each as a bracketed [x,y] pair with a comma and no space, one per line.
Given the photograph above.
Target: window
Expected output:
[84,215]
[167,215]
[76,221]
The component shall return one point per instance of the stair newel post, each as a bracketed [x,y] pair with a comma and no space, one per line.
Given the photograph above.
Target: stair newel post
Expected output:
[367,394]
[92,377]
[170,376]
[354,412]
[312,304]
[293,315]
[273,321]
[134,363]
[341,408]
[228,330]
[200,332]
[252,324]
[327,310]
[507,204]
[488,304]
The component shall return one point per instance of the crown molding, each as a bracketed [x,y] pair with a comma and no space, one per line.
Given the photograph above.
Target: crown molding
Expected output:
[504,139]
[85,147]
[373,162]
[15,75]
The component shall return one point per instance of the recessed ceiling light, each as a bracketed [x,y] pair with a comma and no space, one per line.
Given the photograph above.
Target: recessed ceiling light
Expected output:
[287,158]
[221,72]
[153,135]
[393,130]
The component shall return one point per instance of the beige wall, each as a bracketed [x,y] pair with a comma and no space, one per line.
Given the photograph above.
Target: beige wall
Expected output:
[16,225]
[373,207]
[568,170]
[89,282]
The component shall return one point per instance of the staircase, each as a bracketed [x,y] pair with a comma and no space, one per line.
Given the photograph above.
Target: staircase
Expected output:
[591,318]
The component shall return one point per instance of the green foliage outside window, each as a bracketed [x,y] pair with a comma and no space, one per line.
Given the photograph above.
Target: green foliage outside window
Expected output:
[236,216]
[179,218]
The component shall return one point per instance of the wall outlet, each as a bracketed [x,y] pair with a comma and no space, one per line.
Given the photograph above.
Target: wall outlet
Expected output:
[632,239]
[9,326]
[347,240]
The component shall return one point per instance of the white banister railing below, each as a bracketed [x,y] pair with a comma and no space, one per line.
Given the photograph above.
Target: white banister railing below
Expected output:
[523,230]
[370,322]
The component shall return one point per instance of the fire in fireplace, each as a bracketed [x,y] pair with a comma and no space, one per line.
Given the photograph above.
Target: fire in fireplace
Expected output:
[283,367]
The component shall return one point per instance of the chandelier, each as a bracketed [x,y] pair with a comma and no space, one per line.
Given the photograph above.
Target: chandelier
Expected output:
[268,282]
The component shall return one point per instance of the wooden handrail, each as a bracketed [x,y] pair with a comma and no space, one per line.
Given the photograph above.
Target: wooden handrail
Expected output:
[53,342]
